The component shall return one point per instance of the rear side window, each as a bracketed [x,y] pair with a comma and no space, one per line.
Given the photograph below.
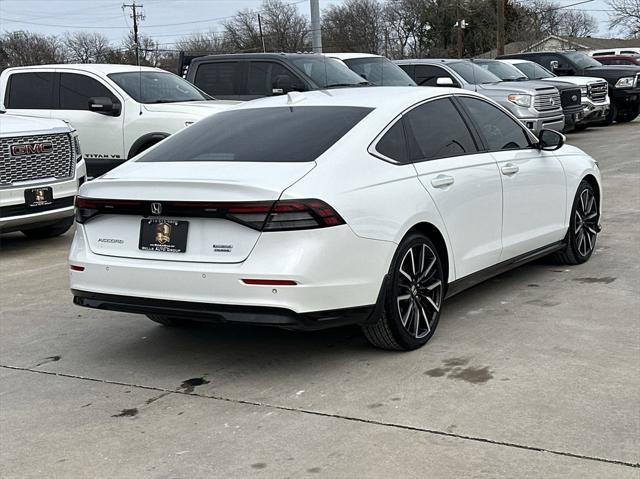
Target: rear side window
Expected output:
[436,130]
[30,91]
[218,78]
[76,89]
[427,75]
[499,130]
[393,143]
[265,135]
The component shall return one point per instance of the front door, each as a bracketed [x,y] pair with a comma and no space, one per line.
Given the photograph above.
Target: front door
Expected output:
[533,181]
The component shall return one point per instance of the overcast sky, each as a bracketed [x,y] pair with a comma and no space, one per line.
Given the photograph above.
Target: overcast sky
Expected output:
[166,20]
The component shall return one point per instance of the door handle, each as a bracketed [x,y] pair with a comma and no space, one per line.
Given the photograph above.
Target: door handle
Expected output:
[441,181]
[509,169]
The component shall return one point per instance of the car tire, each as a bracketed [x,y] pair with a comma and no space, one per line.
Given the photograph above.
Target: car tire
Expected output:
[628,115]
[611,116]
[49,231]
[170,321]
[583,227]
[413,297]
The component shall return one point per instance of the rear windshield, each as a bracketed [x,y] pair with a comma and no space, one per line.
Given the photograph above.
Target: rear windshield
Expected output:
[380,71]
[278,134]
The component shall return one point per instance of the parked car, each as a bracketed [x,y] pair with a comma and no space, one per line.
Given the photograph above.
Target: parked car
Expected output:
[619,59]
[117,110]
[594,91]
[247,76]
[376,69]
[538,107]
[615,51]
[41,168]
[307,211]
[624,81]
[570,95]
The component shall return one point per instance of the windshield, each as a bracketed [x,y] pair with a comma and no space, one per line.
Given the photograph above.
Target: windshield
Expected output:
[278,134]
[380,71]
[327,72]
[533,70]
[504,71]
[473,74]
[582,60]
[157,87]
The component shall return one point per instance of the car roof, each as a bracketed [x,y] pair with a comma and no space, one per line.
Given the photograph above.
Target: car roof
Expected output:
[349,56]
[429,61]
[390,99]
[227,56]
[104,68]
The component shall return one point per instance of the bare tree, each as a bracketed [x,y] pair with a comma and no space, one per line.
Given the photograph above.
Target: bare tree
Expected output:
[626,16]
[354,26]
[574,23]
[150,53]
[26,48]
[283,27]
[210,42]
[87,47]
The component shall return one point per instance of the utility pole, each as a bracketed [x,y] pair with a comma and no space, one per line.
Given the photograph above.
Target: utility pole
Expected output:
[316,33]
[460,25]
[500,28]
[264,50]
[136,16]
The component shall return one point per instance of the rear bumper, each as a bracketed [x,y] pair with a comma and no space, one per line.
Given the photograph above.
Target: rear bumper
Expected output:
[204,312]
[334,270]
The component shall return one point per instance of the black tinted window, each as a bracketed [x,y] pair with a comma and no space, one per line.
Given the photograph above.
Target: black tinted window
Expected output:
[393,143]
[427,75]
[75,91]
[265,76]
[30,91]
[499,130]
[436,130]
[218,78]
[278,134]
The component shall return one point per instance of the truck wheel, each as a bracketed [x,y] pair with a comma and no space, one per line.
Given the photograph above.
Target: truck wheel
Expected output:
[628,115]
[49,231]
[613,112]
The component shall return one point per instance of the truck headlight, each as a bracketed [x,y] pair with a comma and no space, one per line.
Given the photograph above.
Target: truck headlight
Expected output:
[520,100]
[625,82]
[76,145]
[584,91]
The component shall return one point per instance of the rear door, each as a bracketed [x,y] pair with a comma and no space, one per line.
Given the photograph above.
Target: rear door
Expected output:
[224,80]
[267,78]
[533,181]
[463,182]
[30,93]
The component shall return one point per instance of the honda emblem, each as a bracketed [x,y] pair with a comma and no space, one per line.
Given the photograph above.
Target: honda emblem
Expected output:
[156,208]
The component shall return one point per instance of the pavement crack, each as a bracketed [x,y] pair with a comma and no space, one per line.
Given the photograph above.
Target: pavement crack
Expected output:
[405,427]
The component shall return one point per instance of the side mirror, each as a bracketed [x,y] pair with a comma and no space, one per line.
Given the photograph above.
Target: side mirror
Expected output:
[444,81]
[284,84]
[550,140]
[554,64]
[104,105]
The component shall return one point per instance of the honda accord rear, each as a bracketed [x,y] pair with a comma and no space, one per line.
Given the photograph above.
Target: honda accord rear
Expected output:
[202,227]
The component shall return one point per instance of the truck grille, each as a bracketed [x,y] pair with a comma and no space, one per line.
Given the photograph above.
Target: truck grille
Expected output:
[547,102]
[56,161]
[571,98]
[598,91]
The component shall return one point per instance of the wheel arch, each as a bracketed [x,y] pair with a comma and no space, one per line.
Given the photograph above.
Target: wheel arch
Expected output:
[145,141]
[589,178]
[436,236]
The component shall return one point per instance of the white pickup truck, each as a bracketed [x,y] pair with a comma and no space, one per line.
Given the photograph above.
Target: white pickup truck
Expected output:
[117,110]
[41,169]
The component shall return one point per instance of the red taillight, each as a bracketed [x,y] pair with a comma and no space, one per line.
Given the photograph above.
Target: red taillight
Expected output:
[75,267]
[282,215]
[270,282]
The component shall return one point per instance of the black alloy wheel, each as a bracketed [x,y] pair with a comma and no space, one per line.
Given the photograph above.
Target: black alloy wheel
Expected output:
[583,228]
[414,297]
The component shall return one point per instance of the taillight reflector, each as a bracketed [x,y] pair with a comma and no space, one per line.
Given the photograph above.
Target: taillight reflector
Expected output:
[270,282]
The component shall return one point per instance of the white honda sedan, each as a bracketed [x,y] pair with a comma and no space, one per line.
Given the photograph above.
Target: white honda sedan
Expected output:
[320,209]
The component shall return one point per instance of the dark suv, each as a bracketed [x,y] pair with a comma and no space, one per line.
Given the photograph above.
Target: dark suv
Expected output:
[624,81]
[247,76]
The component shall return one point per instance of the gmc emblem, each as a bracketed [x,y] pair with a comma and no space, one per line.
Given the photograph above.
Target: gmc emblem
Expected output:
[31,148]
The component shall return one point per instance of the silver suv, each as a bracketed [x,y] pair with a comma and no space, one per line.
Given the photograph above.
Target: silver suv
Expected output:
[537,105]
